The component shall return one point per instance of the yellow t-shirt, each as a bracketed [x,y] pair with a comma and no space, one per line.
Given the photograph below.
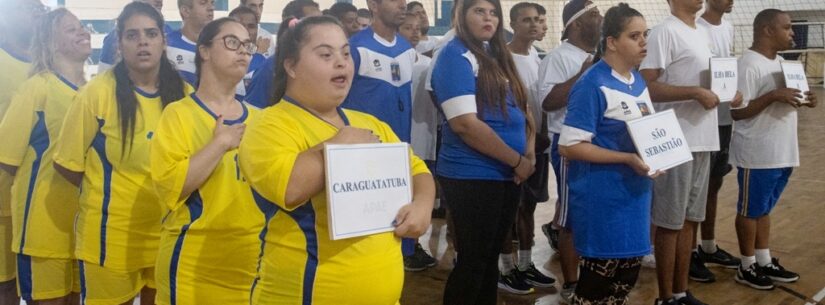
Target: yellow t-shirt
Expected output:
[212,237]
[118,225]
[300,263]
[15,72]
[44,203]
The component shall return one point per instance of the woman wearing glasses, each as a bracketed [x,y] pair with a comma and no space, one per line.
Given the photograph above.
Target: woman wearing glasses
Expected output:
[209,244]
[104,143]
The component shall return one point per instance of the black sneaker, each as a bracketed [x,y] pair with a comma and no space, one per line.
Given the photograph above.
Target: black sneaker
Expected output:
[719,258]
[698,272]
[513,282]
[753,277]
[419,260]
[552,235]
[776,272]
[535,278]
[689,299]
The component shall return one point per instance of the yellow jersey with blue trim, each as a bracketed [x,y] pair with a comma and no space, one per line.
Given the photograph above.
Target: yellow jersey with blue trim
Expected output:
[15,72]
[210,241]
[300,263]
[44,203]
[119,221]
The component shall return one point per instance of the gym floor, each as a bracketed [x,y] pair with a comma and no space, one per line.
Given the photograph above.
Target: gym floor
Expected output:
[797,239]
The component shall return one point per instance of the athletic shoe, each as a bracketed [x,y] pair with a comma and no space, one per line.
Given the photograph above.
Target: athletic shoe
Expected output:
[552,235]
[719,258]
[649,261]
[698,272]
[419,260]
[776,272]
[513,282]
[689,299]
[754,277]
[535,278]
[670,301]
[567,291]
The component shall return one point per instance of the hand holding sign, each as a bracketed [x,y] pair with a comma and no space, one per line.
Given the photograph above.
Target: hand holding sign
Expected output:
[723,78]
[811,98]
[707,98]
[412,221]
[660,142]
[795,78]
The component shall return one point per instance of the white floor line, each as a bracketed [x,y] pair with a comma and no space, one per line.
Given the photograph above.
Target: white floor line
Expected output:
[817,297]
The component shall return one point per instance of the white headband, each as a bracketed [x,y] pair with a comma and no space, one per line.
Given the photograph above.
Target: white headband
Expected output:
[579,14]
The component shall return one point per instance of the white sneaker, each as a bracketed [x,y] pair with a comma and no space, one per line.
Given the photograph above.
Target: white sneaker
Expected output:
[649,261]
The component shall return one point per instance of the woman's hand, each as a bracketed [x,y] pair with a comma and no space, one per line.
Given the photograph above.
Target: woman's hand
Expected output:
[523,170]
[352,135]
[228,136]
[412,220]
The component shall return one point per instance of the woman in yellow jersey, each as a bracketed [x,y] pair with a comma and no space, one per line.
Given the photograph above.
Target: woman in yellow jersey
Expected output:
[44,203]
[105,145]
[210,241]
[282,157]
[15,43]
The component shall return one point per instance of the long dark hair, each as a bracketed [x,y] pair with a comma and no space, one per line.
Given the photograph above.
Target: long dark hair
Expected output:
[496,69]
[614,23]
[206,38]
[290,40]
[170,84]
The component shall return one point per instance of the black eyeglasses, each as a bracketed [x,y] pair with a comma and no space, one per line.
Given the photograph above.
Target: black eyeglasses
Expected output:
[233,43]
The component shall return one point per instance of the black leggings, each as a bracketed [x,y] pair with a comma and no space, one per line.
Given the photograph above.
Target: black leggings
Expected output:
[606,281]
[483,211]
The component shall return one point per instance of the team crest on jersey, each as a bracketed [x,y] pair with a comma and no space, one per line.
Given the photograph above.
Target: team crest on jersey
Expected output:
[377,64]
[149,135]
[626,108]
[179,59]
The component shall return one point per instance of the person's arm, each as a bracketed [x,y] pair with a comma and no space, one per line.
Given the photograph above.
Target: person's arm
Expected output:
[413,219]
[18,122]
[203,163]
[557,98]
[480,137]
[663,93]
[76,134]
[586,151]
[789,96]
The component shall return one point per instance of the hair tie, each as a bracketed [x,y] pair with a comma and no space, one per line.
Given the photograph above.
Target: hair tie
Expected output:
[293,22]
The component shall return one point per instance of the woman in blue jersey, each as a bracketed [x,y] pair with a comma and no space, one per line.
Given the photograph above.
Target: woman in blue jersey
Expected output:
[281,155]
[611,224]
[487,146]
[104,147]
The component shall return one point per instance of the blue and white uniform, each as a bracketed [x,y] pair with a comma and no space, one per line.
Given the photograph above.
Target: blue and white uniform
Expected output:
[610,222]
[383,80]
[181,52]
[259,90]
[454,85]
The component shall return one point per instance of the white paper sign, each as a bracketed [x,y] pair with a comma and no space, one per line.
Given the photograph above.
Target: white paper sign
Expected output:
[723,78]
[794,73]
[366,186]
[659,140]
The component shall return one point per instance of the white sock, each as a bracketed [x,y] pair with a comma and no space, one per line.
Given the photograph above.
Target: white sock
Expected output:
[680,295]
[747,261]
[763,257]
[709,246]
[525,258]
[506,263]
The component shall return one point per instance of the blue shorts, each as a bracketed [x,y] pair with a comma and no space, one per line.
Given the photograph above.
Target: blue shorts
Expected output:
[559,164]
[759,190]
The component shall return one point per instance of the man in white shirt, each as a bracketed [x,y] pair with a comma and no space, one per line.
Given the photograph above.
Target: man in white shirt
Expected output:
[522,276]
[768,111]
[427,43]
[678,53]
[558,71]
[264,36]
[720,32]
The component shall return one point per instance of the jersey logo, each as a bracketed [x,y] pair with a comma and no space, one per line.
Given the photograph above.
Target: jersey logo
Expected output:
[626,109]
[377,64]
[149,135]
[179,59]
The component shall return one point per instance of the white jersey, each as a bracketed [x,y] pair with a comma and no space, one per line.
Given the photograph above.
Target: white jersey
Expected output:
[768,139]
[425,117]
[426,45]
[559,66]
[527,67]
[721,38]
[683,53]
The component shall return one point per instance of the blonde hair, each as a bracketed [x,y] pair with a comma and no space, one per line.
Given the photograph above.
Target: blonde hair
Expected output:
[43,47]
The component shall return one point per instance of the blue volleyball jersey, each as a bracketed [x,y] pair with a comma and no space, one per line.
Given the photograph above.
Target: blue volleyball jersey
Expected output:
[454,85]
[181,52]
[613,221]
[382,85]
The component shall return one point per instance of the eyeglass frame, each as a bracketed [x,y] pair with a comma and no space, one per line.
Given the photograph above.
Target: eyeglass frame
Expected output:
[251,49]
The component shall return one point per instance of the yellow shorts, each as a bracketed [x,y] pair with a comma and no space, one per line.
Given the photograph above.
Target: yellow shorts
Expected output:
[46,278]
[102,286]
[8,270]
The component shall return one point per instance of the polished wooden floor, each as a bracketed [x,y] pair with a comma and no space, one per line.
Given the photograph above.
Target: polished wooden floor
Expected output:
[797,238]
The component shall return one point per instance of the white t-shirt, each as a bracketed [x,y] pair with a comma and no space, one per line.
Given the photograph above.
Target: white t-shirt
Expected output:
[768,139]
[425,116]
[527,67]
[559,66]
[721,38]
[683,53]
[426,45]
